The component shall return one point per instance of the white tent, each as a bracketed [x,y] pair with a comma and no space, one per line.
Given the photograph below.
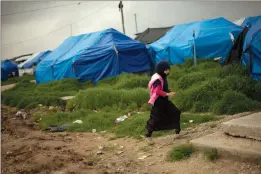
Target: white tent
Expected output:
[239,21]
[28,59]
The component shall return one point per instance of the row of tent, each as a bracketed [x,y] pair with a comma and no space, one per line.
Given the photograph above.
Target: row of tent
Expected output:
[213,38]
[108,53]
[9,68]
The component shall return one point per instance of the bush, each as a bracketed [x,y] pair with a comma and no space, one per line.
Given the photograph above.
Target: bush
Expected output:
[190,79]
[212,155]
[182,152]
[99,98]
[233,102]
[29,95]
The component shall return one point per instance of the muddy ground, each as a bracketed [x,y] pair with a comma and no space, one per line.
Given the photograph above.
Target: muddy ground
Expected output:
[25,149]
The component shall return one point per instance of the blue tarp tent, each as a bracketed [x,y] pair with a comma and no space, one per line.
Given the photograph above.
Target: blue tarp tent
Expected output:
[93,57]
[35,60]
[8,67]
[250,21]
[213,38]
[252,46]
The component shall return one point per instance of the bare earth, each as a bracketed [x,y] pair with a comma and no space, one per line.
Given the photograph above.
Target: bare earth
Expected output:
[28,150]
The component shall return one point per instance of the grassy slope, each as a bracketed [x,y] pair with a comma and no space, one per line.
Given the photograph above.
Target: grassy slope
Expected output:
[209,88]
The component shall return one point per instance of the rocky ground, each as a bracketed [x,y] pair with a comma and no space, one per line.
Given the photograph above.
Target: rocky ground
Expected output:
[25,149]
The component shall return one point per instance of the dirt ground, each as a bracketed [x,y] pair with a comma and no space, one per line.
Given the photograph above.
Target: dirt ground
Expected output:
[25,149]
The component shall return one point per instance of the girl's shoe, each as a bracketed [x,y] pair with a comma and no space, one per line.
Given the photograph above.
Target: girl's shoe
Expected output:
[149,141]
[180,135]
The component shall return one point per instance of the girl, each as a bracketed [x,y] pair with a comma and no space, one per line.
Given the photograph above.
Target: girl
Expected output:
[164,114]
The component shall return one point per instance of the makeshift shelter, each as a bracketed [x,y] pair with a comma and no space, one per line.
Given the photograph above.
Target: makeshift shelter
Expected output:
[235,55]
[252,46]
[151,35]
[93,57]
[8,68]
[211,38]
[34,60]
[248,22]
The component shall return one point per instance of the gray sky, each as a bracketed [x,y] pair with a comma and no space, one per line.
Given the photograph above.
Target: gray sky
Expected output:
[40,30]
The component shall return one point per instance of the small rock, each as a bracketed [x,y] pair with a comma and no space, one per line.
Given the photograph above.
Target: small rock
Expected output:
[100,148]
[120,152]
[121,147]
[21,114]
[191,121]
[40,105]
[8,153]
[99,153]
[90,163]
[93,130]
[58,148]
[68,139]
[142,157]
[102,132]
[51,108]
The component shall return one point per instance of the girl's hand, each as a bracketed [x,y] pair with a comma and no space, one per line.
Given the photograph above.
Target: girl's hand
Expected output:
[171,94]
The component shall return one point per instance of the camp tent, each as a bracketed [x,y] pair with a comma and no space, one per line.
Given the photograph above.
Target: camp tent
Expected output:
[252,46]
[8,67]
[250,21]
[151,35]
[94,56]
[35,59]
[213,38]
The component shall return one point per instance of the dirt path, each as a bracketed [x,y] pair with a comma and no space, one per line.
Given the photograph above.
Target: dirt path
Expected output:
[6,87]
[27,150]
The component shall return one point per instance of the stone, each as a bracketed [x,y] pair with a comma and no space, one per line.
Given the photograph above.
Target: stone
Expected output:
[247,126]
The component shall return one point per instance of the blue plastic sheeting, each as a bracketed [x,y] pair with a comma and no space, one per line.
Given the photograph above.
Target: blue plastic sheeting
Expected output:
[252,49]
[248,22]
[7,67]
[212,40]
[36,59]
[93,57]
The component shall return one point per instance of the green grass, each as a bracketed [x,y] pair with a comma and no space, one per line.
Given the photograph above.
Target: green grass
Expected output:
[211,155]
[181,152]
[208,88]
[134,126]
[12,80]
[29,95]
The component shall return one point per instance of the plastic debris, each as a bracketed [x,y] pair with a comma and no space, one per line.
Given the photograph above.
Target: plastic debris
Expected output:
[191,121]
[93,130]
[120,119]
[78,122]
[21,114]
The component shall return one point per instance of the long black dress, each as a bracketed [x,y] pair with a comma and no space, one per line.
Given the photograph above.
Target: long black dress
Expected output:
[164,114]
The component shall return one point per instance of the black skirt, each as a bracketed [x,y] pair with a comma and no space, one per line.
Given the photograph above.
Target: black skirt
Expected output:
[164,116]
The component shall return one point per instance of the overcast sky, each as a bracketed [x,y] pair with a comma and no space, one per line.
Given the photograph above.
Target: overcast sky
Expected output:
[39,30]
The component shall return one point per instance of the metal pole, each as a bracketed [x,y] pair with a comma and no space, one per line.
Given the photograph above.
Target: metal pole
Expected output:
[136,22]
[195,54]
[122,17]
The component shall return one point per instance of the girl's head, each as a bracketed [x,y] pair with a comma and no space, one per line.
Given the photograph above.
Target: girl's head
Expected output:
[162,68]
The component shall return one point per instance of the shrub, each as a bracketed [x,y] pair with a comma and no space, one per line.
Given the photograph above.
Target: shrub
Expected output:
[98,98]
[182,152]
[234,102]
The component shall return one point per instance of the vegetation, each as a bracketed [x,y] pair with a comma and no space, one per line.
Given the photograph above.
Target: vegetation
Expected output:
[212,155]
[208,88]
[181,152]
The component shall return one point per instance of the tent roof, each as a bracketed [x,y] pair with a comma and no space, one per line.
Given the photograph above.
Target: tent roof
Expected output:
[250,20]
[151,34]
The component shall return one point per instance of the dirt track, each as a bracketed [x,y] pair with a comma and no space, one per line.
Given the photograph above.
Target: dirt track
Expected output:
[28,150]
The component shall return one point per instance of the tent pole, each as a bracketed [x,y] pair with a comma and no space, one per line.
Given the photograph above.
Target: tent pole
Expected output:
[136,22]
[195,54]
